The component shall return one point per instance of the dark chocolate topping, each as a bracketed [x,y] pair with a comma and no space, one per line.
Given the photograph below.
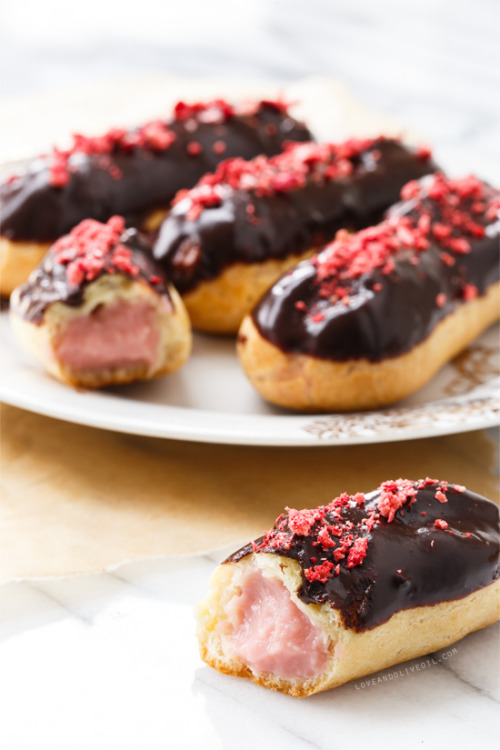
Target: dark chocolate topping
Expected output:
[132,173]
[283,206]
[379,293]
[90,251]
[393,549]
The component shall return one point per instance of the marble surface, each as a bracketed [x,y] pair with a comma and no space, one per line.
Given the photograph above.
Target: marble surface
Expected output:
[432,64]
[110,661]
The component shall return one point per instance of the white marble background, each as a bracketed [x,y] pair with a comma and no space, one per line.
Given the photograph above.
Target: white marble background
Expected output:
[434,64]
[110,661]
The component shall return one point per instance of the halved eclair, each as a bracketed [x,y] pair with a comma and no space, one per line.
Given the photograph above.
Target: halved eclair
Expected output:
[338,592]
[373,317]
[97,311]
[132,173]
[231,237]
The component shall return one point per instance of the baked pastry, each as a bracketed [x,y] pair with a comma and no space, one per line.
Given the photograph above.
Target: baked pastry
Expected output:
[338,592]
[375,315]
[134,174]
[227,240]
[97,311]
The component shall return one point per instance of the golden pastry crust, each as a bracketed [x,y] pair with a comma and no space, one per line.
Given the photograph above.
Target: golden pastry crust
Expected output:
[219,305]
[406,635]
[155,219]
[171,319]
[304,383]
[17,261]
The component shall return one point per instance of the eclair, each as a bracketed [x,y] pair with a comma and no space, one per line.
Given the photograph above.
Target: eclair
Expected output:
[226,241]
[97,311]
[343,590]
[373,316]
[131,173]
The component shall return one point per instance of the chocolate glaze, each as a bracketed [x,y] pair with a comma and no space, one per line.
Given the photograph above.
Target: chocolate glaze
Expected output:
[377,324]
[284,223]
[435,566]
[49,282]
[33,210]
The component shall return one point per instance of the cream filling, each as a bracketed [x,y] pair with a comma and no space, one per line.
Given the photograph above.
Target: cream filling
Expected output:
[266,630]
[115,335]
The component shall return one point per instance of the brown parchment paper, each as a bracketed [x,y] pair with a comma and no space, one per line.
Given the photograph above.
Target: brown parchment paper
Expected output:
[330,109]
[80,500]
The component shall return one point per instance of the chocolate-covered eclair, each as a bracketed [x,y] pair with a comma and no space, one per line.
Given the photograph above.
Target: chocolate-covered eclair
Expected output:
[228,239]
[373,316]
[132,173]
[369,580]
[98,311]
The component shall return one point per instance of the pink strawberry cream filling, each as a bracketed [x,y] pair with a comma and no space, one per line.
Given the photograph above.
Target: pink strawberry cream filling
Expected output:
[111,336]
[270,634]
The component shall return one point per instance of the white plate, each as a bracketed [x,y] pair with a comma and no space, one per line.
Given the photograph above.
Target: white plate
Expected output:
[210,400]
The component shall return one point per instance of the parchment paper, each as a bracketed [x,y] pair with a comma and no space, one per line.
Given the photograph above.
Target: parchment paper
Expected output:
[80,500]
[330,110]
